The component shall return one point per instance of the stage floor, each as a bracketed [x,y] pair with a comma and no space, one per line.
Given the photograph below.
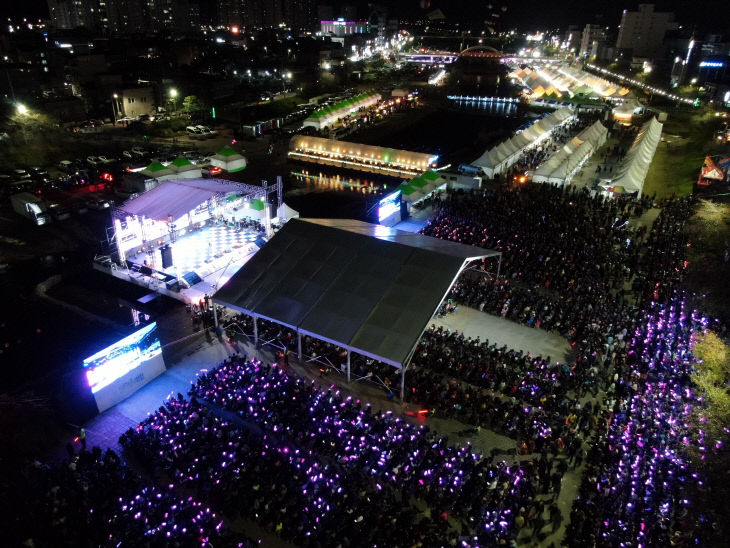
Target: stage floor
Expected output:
[214,253]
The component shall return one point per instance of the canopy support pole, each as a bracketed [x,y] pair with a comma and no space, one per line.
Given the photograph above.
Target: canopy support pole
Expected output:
[348,366]
[499,265]
[255,332]
[299,345]
[215,316]
[402,383]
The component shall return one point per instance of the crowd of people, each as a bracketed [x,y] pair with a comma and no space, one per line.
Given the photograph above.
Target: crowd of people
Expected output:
[321,469]
[93,499]
[318,468]
[638,484]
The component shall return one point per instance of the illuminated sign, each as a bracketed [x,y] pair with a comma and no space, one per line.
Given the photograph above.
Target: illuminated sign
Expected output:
[389,205]
[712,64]
[121,359]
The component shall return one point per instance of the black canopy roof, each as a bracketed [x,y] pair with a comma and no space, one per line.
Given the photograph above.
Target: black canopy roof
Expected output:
[368,288]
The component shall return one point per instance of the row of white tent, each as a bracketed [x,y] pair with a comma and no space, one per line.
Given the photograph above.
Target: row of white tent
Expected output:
[563,78]
[632,171]
[329,115]
[500,157]
[563,164]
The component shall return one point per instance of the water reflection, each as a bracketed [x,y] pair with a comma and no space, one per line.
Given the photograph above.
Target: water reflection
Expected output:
[486,106]
[324,181]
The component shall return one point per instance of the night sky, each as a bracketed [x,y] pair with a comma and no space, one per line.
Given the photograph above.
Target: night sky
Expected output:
[705,14]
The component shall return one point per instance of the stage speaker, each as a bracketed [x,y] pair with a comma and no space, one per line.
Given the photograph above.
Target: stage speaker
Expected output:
[146,270]
[166,252]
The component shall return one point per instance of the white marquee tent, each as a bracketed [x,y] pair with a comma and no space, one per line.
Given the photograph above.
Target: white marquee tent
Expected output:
[500,157]
[562,165]
[632,172]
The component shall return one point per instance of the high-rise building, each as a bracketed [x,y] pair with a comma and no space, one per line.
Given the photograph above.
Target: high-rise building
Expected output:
[592,37]
[230,13]
[299,14]
[642,32]
[70,14]
[126,16]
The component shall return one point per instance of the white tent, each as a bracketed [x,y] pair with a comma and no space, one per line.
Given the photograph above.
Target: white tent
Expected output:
[185,169]
[284,212]
[158,171]
[632,172]
[562,165]
[229,160]
[499,158]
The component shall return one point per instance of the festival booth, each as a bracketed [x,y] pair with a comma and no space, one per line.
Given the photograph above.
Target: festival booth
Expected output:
[368,158]
[185,169]
[632,171]
[327,116]
[157,170]
[500,157]
[229,160]
[564,79]
[565,163]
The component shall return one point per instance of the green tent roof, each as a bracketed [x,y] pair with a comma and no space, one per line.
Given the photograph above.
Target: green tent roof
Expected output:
[155,166]
[181,161]
[431,176]
[227,151]
[407,189]
[258,205]
[342,104]
[418,182]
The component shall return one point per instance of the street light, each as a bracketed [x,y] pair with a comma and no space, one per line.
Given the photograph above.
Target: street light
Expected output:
[115,107]
[22,109]
[173,98]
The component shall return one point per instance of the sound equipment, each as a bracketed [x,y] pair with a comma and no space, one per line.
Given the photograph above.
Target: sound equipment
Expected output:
[191,278]
[166,252]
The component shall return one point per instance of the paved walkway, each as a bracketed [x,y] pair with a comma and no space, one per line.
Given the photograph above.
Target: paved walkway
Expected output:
[537,342]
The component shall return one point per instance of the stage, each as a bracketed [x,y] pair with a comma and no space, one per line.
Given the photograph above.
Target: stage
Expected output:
[214,253]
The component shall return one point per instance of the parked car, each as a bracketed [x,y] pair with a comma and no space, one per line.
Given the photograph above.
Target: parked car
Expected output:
[137,151]
[210,171]
[66,166]
[38,174]
[206,131]
[94,160]
[20,174]
[98,204]
[80,208]
[194,133]
[105,160]
[58,212]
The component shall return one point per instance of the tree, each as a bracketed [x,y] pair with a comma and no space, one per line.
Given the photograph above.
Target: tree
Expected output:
[710,451]
[194,106]
[712,377]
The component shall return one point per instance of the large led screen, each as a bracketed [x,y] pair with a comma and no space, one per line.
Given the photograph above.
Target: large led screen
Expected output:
[388,206]
[122,368]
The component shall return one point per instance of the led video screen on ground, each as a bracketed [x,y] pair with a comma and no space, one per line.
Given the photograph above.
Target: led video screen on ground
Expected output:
[121,369]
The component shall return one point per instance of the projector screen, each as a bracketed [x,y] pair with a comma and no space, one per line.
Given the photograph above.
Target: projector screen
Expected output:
[121,369]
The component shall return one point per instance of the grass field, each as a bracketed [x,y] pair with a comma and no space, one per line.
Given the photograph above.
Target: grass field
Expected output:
[677,163]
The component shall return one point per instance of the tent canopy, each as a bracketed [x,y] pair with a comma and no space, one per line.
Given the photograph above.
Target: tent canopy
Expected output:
[368,288]
[176,198]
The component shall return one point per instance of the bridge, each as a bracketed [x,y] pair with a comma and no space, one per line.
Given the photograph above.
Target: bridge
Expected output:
[446,57]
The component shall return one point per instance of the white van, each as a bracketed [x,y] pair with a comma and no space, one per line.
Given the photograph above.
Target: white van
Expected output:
[194,132]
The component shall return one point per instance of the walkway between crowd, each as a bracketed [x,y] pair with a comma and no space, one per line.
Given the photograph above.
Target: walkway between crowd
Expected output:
[538,342]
